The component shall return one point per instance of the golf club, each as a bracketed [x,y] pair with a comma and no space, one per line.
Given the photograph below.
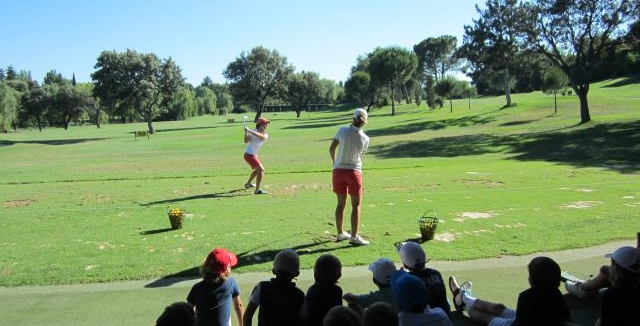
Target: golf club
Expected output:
[244,121]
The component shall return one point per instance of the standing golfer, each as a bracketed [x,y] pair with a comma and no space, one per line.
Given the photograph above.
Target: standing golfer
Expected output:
[351,143]
[254,139]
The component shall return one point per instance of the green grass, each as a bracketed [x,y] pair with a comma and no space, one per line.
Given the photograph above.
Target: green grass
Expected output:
[89,205]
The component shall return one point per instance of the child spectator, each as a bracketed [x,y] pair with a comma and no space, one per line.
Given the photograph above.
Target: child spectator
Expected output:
[382,270]
[341,316]
[178,314]
[280,301]
[589,289]
[213,296]
[414,260]
[411,295]
[324,294]
[620,301]
[541,304]
[380,314]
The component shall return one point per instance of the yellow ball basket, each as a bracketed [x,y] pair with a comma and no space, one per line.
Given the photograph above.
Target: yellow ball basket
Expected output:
[176,216]
[428,223]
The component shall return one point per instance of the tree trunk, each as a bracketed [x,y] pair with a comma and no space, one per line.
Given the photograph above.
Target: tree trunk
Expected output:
[147,115]
[450,105]
[507,89]
[98,118]
[393,104]
[555,102]
[469,103]
[584,104]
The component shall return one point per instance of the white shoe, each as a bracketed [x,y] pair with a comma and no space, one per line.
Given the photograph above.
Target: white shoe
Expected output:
[343,236]
[358,241]
[574,289]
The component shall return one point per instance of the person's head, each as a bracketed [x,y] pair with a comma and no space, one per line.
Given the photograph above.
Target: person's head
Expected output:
[178,314]
[409,292]
[360,117]
[217,265]
[262,123]
[327,269]
[625,263]
[286,264]
[413,256]
[341,316]
[544,272]
[380,314]
[382,270]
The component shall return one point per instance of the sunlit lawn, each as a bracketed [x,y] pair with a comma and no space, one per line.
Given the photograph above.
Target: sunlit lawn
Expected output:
[90,205]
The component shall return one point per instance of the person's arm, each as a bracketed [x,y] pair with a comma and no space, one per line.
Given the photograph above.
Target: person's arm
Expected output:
[353,302]
[255,133]
[247,317]
[332,150]
[239,308]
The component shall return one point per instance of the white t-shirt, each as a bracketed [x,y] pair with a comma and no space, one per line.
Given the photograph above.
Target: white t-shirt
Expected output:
[253,147]
[352,144]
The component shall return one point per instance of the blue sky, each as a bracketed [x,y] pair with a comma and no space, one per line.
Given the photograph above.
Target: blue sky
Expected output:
[204,36]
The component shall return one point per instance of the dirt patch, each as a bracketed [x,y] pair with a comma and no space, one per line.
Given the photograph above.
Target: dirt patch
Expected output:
[581,204]
[473,216]
[444,237]
[17,203]
[483,182]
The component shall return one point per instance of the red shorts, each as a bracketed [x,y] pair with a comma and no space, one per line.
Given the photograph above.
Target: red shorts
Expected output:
[252,160]
[347,181]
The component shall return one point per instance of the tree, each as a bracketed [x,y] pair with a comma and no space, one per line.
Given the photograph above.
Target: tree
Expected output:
[575,34]
[9,100]
[304,88]
[205,100]
[358,87]
[139,81]
[436,56]
[258,75]
[392,67]
[492,43]
[554,81]
[446,88]
[183,105]
[467,90]
[34,105]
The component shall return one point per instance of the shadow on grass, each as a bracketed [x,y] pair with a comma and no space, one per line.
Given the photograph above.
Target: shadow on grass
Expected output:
[516,123]
[52,142]
[226,194]
[156,231]
[247,258]
[478,119]
[635,79]
[614,146]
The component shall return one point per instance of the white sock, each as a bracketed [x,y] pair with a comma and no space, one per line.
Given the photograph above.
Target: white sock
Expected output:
[468,301]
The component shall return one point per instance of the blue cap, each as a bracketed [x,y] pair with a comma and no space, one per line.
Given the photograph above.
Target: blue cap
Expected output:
[408,291]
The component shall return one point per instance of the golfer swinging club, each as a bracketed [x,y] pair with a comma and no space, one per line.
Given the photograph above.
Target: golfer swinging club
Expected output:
[255,138]
[351,143]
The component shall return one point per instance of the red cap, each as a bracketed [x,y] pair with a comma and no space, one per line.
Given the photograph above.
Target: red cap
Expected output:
[262,121]
[219,259]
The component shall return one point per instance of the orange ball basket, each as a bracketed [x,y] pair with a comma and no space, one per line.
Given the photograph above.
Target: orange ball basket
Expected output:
[176,216]
[428,223]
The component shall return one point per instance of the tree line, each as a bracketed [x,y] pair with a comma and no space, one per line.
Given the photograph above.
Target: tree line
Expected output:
[513,45]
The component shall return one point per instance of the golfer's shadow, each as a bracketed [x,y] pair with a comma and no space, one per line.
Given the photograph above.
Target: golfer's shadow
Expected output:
[249,257]
[227,194]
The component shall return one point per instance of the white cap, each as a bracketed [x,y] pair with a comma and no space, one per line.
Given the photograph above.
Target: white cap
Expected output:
[382,270]
[412,254]
[626,257]
[360,113]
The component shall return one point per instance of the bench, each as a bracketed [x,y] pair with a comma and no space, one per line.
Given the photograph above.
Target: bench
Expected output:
[140,133]
[231,120]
